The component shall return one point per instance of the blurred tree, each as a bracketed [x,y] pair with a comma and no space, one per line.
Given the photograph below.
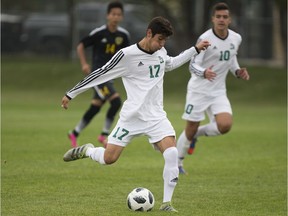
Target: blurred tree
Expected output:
[282,6]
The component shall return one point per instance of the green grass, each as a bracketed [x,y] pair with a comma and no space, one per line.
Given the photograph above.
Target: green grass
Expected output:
[241,173]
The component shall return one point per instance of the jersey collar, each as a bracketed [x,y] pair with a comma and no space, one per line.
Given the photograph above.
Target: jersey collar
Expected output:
[220,37]
[144,50]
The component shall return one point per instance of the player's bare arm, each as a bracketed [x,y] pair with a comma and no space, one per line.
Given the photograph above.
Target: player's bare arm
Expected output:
[81,54]
[243,74]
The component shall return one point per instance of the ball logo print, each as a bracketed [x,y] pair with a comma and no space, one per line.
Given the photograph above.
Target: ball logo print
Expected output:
[140,199]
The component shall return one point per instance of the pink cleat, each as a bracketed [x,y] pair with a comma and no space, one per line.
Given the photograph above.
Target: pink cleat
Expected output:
[103,139]
[73,139]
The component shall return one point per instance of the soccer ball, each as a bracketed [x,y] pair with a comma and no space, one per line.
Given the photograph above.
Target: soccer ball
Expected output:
[140,199]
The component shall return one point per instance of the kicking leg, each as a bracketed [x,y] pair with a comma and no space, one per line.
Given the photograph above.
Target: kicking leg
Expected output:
[103,156]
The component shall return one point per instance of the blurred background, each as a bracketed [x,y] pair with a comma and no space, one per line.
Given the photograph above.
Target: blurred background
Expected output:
[53,27]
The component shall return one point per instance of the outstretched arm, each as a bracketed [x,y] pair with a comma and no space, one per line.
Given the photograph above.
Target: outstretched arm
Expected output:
[114,68]
[182,58]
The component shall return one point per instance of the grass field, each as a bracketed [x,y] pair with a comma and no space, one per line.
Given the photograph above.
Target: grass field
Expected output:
[242,173]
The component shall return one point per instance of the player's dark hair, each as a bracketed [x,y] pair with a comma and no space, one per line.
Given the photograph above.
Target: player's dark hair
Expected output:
[160,25]
[114,4]
[220,6]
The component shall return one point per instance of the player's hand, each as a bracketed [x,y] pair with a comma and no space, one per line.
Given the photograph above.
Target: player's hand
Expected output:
[209,74]
[243,74]
[86,69]
[65,101]
[203,45]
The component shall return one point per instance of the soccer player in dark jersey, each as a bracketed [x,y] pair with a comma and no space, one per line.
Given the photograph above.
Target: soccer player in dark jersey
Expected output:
[105,42]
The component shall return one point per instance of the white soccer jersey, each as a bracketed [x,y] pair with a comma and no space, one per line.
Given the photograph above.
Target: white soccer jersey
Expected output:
[222,55]
[142,75]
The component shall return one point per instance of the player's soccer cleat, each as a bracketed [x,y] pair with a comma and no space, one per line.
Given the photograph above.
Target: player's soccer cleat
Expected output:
[182,170]
[103,139]
[73,139]
[192,146]
[77,153]
[167,207]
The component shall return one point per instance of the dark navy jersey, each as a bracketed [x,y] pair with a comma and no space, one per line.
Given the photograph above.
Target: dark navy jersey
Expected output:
[105,44]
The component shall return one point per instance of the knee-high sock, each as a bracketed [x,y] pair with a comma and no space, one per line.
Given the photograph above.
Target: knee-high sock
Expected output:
[210,129]
[170,172]
[182,147]
[88,116]
[96,154]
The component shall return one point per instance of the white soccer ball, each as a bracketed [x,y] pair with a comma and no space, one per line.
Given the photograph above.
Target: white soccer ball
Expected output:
[140,199]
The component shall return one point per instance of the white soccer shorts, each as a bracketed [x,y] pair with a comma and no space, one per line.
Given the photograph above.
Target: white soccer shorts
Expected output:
[197,104]
[124,131]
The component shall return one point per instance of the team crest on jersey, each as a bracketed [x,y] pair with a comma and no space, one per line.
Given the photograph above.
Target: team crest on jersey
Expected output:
[161,59]
[232,46]
[118,40]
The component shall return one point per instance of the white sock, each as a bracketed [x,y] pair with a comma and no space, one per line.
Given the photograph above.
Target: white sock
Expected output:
[210,129]
[170,173]
[182,146]
[96,154]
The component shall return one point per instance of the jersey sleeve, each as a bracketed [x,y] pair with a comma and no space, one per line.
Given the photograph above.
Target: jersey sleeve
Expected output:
[89,40]
[196,61]
[234,66]
[234,62]
[182,58]
[112,69]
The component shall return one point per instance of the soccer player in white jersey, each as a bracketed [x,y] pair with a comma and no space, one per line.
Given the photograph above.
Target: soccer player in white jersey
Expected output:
[206,91]
[142,67]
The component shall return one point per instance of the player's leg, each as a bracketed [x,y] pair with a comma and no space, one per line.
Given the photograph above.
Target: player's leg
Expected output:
[99,154]
[222,125]
[115,104]
[194,113]
[120,137]
[184,142]
[220,115]
[162,136]
[94,108]
[113,97]
[108,155]
[167,147]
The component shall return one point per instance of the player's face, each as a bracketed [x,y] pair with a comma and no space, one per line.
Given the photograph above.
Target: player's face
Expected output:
[157,42]
[221,20]
[115,16]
